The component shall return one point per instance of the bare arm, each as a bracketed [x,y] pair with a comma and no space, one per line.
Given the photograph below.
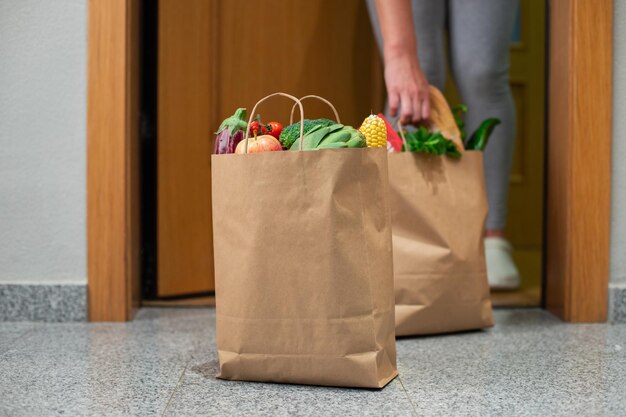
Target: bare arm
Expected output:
[407,88]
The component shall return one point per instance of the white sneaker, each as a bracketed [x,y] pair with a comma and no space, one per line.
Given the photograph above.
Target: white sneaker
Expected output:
[501,270]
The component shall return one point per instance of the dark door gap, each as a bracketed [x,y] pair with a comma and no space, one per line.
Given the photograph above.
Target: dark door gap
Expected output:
[148,146]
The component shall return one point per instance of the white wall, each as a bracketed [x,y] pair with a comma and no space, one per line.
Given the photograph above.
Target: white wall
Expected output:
[618,216]
[42,141]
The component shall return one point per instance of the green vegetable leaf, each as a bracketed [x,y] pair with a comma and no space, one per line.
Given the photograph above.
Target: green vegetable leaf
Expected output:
[235,122]
[434,143]
[292,132]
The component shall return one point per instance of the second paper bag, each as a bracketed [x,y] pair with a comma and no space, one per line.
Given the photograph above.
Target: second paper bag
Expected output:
[439,207]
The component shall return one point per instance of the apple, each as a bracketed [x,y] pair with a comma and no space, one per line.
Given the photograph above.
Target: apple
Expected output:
[263,143]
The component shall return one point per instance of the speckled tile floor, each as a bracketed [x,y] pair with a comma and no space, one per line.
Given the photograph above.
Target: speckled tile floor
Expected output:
[164,363]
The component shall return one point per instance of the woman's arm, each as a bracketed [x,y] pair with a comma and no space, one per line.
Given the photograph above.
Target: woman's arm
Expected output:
[407,88]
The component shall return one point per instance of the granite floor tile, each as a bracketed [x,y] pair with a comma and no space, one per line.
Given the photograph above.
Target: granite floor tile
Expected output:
[165,362]
[201,394]
[93,369]
[10,332]
[512,384]
[537,367]
[521,331]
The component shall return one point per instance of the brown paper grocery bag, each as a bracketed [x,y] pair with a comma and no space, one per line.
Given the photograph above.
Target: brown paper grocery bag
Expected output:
[303,267]
[439,207]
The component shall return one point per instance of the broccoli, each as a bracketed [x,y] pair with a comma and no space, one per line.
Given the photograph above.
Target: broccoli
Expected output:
[292,132]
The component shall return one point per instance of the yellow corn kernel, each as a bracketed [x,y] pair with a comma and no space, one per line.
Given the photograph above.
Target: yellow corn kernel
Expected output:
[375,131]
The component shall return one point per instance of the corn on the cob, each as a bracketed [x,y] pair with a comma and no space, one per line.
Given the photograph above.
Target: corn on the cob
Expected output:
[375,131]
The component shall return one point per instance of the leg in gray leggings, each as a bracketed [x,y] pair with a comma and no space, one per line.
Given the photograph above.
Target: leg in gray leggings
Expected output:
[480,33]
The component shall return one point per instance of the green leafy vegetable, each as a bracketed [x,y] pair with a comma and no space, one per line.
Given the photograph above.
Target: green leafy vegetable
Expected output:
[331,137]
[434,143]
[292,132]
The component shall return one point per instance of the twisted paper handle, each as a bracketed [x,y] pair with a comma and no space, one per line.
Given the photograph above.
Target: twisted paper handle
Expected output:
[247,135]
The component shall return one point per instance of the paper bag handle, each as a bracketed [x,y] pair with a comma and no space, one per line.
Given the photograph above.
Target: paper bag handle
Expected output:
[319,98]
[441,119]
[246,136]
[401,131]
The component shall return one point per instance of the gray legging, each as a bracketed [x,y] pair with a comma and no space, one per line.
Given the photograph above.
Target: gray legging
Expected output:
[479,37]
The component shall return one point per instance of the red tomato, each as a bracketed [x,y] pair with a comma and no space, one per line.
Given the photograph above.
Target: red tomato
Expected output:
[274,129]
[256,128]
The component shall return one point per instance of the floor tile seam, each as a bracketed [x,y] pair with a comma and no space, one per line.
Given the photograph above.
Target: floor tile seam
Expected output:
[176,388]
[408,397]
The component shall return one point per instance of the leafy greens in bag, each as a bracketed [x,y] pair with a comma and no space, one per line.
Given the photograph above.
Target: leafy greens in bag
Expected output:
[434,143]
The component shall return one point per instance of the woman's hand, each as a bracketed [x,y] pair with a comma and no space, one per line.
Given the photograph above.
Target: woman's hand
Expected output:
[407,88]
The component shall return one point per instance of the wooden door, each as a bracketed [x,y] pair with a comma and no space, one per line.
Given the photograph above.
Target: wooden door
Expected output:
[322,47]
[184,230]
[527,78]
[215,56]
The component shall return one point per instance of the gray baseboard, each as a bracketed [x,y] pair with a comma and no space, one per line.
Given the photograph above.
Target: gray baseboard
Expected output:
[51,303]
[617,303]
[68,302]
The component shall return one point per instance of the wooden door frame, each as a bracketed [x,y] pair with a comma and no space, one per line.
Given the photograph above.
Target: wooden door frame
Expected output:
[578,173]
[579,159]
[113,276]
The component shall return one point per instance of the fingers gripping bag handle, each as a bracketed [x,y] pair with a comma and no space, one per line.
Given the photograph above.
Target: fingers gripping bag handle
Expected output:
[441,119]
